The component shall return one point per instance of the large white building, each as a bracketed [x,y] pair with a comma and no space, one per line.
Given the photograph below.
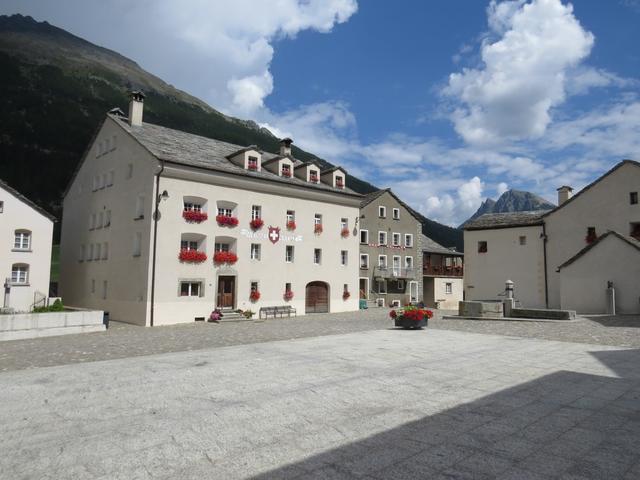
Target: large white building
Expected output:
[245,224]
[565,257]
[25,253]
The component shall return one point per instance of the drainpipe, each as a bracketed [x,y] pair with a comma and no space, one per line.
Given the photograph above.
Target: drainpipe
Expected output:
[544,253]
[156,214]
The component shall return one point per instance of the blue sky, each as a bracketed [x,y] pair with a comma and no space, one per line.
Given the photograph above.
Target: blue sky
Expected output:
[447,101]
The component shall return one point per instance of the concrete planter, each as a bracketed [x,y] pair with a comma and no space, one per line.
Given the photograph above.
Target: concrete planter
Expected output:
[410,324]
[32,325]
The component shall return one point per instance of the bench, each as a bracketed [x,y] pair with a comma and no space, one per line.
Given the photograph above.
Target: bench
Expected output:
[277,311]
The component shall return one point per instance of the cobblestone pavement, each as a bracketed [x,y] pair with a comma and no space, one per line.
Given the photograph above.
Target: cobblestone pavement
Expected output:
[376,405]
[122,340]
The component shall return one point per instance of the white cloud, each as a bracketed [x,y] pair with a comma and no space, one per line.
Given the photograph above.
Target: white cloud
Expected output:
[523,73]
[501,188]
[448,208]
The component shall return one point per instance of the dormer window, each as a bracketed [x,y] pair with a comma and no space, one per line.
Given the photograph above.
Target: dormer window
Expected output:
[286,170]
[339,182]
[313,176]
[252,163]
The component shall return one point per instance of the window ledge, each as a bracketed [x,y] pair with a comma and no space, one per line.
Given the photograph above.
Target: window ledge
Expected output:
[21,250]
[140,217]
[136,255]
[19,284]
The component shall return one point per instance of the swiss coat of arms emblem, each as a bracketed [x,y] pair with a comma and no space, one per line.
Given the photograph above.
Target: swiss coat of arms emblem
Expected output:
[274,234]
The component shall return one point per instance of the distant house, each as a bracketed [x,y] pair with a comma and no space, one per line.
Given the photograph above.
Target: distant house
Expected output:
[544,253]
[25,252]
[442,274]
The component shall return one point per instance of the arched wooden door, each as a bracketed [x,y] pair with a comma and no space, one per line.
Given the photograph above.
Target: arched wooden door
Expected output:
[317,298]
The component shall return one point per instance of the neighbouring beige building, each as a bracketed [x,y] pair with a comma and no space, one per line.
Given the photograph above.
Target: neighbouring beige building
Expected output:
[442,273]
[390,251]
[535,249]
[161,226]
[25,254]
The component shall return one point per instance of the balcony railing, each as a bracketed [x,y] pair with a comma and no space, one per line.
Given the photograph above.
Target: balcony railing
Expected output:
[443,270]
[394,272]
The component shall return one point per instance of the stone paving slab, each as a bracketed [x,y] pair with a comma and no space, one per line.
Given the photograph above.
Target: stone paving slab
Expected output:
[385,404]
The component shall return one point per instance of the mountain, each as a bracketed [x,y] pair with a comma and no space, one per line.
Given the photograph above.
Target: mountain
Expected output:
[512,201]
[56,88]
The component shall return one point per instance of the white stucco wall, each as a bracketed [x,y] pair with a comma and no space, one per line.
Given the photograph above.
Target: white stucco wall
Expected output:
[604,206]
[18,215]
[448,301]
[485,274]
[583,283]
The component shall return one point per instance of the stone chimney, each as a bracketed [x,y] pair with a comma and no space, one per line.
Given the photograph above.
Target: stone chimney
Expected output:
[136,105]
[285,147]
[564,194]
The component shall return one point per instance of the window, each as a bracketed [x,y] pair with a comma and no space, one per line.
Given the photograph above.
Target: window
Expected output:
[287,287]
[396,214]
[408,240]
[255,251]
[137,244]
[192,207]
[633,198]
[107,218]
[364,261]
[313,176]
[139,208]
[254,287]
[482,247]
[105,251]
[344,257]
[104,290]
[252,163]
[634,230]
[522,239]
[339,182]
[382,286]
[22,240]
[221,247]
[1,207]
[344,223]
[408,263]
[317,256]
[591,235]
[395,239]
[286,170]
[382,212]
[100,220]
[225,212]
[129,171]
[20,274]
[382,238]
[291,216]
[103,181]
[190,289]
[110,178]
[188,245]
[364,237]
[256,212]
[97,251]
[448,288]
[317,219]
[382,261]
[289,254]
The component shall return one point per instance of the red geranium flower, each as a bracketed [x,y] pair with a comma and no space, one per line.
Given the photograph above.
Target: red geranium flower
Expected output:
[291,225]
[223,220]
[254,296]
[225,257]
[194,216]
[256,223]
[344,232]
[317,228]
[192,256]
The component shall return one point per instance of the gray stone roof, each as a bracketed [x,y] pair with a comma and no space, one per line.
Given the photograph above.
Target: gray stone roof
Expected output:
[193,150]
[630,240]
[506,220]
[24,199]
[431,246]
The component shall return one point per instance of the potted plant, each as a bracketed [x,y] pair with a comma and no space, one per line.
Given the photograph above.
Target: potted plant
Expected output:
[194,216]
[254,296]
[225,257]
[291,225]
[248,314]
[224,220]
[288,295]
[256,224]
[346,294]
[411,317]
[344,233]
[191,256]
[317,228]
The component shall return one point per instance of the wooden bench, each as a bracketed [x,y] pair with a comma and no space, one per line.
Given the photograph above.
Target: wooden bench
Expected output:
[277,311]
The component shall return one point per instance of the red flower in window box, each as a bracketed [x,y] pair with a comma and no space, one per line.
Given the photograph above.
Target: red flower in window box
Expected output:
[286,173]
[223,220]
[194,216]
[191,256]
[317,228]
[254,296]
[313,178]
[339,183]
[225,257]
[344,233]
[256,223]
[346,295]
[393,314]
[291,225]
[252,166]
[288,295]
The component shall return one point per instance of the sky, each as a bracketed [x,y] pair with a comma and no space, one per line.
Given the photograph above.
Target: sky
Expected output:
[447,102]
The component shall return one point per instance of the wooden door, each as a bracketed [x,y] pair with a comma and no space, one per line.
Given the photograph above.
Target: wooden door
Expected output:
[317,298]
[226,292]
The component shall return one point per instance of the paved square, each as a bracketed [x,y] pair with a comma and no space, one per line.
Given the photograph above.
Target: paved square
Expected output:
[382,404]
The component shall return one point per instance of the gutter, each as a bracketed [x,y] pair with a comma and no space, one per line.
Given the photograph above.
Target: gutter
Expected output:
[156,215]
[544,252]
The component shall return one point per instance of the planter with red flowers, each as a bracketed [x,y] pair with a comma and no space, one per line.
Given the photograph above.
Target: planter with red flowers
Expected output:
[191,256]
[225,221]
[291,225]
[254,296]
[346,294]
[344,233]
[288,295]
[256,224]
[317,228]
[286,173]
[253,167]
[411,317]
[194,216]
[220,258]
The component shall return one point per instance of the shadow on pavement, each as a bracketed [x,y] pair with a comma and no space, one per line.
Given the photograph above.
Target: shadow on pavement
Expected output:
[562,425]
[615,320]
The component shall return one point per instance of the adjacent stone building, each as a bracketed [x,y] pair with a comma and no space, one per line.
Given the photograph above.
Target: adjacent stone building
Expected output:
[161,226]
[390,251]
[442,275]
[25,253]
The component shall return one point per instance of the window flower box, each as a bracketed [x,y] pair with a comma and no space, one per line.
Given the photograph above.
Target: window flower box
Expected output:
[288,295]
[346,294]
[313,178]
[286,173]
[225,257]
[254,296]
[253,167]
[344,233]
[411,317]
[194,216]
[291,225]
[226,221]
[317,228]
[256,224]
[192,256]
[339,183]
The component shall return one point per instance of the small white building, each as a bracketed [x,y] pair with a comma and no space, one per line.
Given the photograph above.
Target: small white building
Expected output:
[534,249]
[443,272]
[161,226]
[25,253]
